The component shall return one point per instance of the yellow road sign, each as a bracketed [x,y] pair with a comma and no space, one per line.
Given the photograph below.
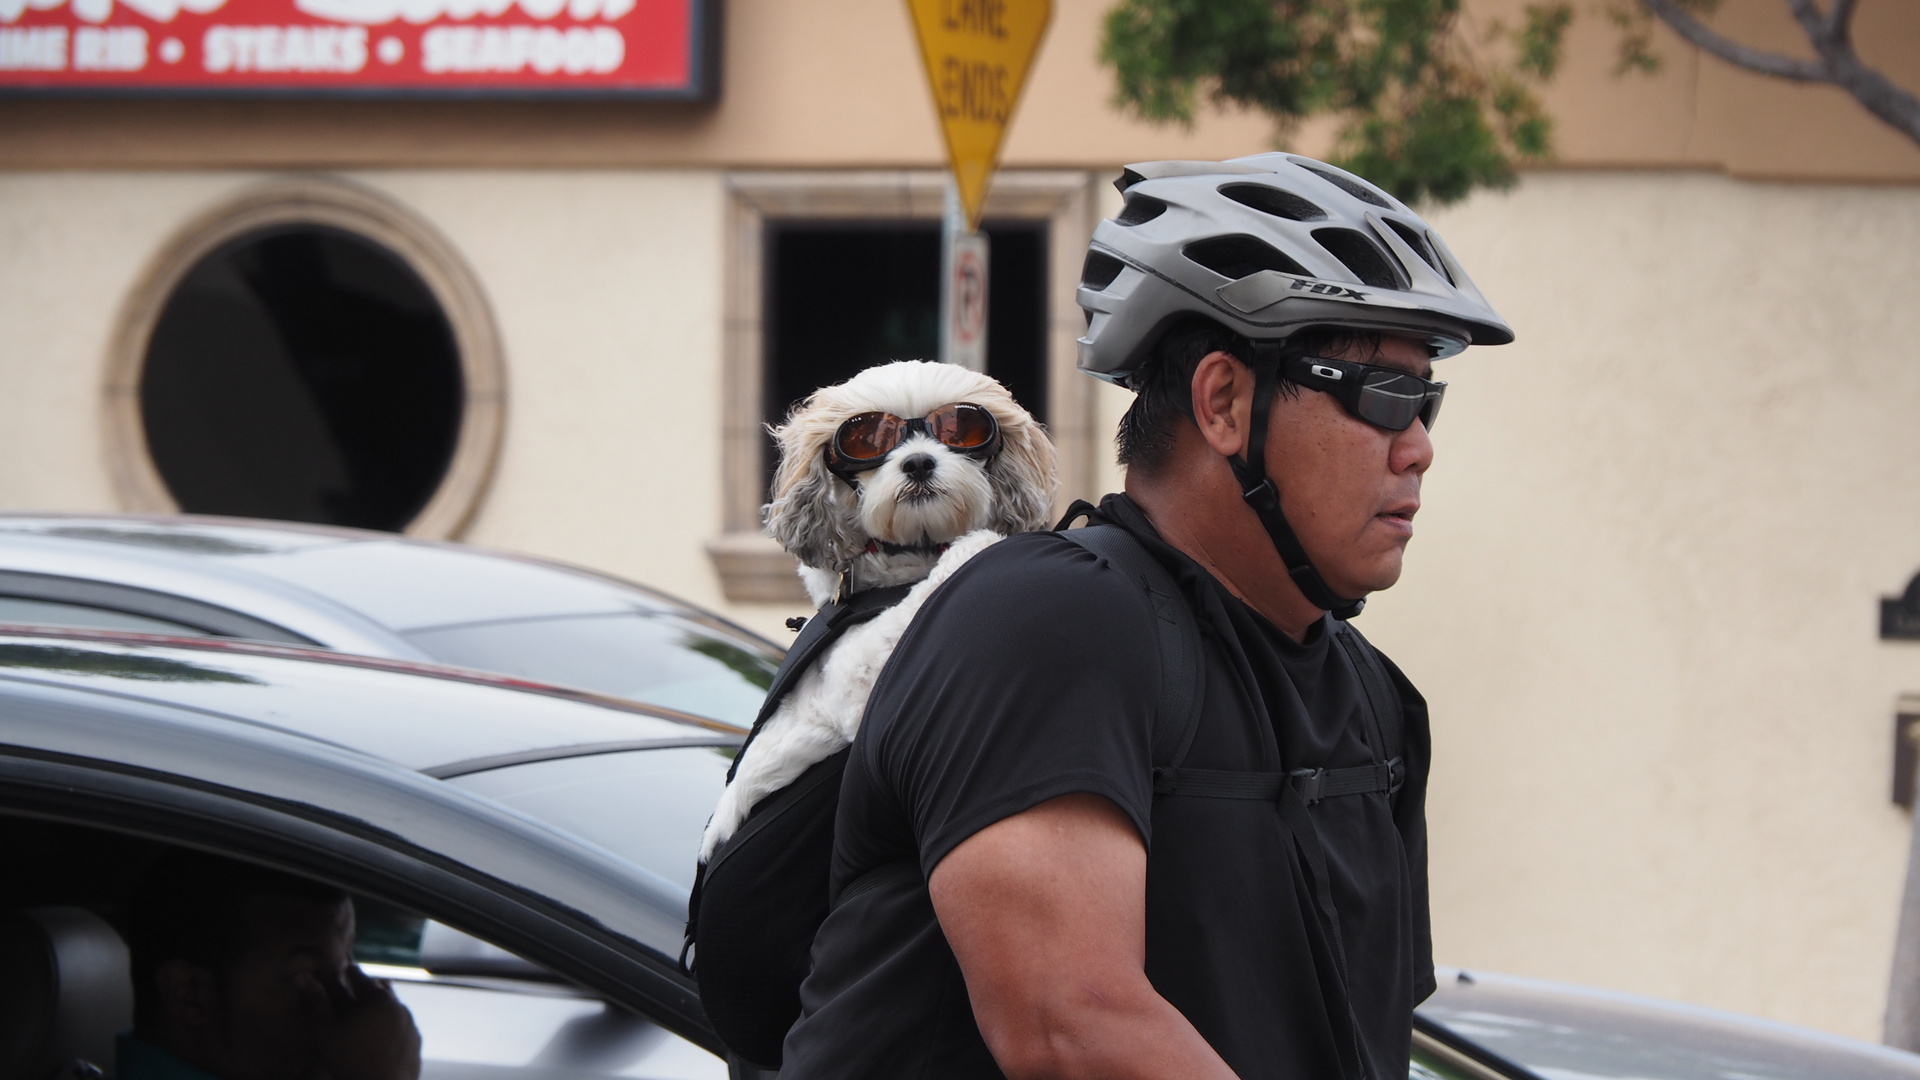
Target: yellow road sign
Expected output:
[977,54]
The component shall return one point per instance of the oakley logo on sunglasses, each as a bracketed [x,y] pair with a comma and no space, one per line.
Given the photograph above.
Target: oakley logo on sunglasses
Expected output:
[864,441]
[1385,397]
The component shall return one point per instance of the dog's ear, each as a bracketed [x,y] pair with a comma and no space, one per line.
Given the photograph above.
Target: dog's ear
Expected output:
[814,514]
[1023,478]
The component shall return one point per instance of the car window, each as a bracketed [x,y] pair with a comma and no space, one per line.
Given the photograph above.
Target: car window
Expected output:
[19,609]
[482,1013]
[654,657]
[648,807]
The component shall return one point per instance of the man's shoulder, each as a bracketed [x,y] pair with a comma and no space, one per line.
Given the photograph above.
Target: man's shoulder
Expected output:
[1044,574]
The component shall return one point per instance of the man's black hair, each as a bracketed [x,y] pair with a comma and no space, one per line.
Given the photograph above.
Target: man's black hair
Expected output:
[1163,387]
[193,906]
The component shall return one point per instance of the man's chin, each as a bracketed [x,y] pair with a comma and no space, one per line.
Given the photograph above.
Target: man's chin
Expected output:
[1362,581]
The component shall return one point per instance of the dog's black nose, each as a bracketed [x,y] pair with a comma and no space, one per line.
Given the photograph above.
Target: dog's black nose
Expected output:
[918,467]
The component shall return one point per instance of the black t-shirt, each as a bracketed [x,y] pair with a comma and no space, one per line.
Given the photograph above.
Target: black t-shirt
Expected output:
[1034,673]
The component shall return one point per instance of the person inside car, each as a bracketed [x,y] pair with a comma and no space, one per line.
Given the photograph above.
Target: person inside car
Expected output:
[245,973]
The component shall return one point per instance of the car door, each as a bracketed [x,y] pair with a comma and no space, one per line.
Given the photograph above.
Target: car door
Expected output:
[590,934]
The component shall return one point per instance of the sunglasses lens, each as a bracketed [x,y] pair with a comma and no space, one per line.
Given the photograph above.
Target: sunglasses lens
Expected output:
[963,427]
[868,436]
[1393,401]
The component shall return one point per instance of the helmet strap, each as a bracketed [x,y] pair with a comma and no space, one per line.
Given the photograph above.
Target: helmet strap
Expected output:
[1258,489]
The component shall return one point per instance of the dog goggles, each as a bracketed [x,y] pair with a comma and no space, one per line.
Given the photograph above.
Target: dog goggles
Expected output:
[864,441]
[1382,396]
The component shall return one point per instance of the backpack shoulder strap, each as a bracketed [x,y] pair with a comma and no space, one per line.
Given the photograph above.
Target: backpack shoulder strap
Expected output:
[1176,633]
[820,630]
[1382,699]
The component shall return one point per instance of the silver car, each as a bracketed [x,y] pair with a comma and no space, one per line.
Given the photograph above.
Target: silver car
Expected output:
[377,594]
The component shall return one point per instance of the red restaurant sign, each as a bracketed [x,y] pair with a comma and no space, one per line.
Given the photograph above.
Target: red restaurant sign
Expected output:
[629,48]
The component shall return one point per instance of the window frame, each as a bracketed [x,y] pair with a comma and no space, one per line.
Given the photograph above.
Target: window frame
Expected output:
[331,203]
[751,566]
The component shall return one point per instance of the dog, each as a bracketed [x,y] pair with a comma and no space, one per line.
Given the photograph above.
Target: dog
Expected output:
[862,511]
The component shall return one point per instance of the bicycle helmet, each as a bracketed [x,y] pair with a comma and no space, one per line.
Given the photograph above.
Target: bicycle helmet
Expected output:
[1267,246]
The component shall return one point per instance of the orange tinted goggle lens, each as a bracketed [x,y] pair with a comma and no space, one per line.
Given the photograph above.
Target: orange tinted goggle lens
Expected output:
[963,427]
[869,436]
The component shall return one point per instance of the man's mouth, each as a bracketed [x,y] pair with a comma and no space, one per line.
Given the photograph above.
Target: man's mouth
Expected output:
[1400,518]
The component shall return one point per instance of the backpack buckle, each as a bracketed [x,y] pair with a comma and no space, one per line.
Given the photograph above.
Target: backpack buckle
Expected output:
[1310,783]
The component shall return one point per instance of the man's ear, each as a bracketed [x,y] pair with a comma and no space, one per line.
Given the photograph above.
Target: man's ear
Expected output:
[1223,402]
[190,994]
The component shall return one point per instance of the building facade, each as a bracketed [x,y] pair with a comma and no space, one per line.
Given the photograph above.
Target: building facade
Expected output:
[1644,597]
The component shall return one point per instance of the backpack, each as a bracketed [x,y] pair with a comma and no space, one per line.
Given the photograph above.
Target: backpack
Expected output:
[757,903]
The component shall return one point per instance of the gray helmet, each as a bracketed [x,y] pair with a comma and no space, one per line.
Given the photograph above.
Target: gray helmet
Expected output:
[1268,245]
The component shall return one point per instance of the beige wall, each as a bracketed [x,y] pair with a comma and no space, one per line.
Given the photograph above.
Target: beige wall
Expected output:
[605,287]
[1643,596]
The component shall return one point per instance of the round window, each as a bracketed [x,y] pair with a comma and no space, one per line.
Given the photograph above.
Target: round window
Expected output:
[304,373]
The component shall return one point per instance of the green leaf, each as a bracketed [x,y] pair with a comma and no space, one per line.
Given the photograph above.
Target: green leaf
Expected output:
[1426,114]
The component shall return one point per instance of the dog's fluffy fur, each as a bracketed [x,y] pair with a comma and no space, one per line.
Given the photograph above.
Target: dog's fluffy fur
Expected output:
[827,524]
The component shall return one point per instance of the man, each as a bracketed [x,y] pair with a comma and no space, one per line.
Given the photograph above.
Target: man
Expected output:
[1011,894]
[243,973]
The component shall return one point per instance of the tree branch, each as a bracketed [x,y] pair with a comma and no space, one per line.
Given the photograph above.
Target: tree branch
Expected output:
[1785,67]
[1828,34]
[1840,22]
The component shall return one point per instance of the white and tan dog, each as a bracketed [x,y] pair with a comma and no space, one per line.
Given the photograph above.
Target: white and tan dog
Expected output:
[914,515]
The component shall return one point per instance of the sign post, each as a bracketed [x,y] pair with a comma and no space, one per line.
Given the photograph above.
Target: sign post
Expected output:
[977,54]
[963,290]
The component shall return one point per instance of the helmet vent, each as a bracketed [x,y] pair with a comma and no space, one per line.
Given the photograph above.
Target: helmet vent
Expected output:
[1366,193]
[1140,209]
[1417,242]
[1236,257]
[1359,254]
[1267,200]
[1099,270]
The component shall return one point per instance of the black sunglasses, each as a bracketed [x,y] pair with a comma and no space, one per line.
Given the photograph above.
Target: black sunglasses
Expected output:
[864,441]
[1382,396]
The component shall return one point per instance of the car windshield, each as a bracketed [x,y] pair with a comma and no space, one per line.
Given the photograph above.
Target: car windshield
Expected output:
[656,657]
[649,807]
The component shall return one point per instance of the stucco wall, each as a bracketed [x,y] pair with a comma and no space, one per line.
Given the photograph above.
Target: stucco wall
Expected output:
[1643,593]
[1641,599]
[605,287]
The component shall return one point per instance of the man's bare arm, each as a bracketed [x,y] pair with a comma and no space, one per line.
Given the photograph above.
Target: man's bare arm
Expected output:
[1046,912]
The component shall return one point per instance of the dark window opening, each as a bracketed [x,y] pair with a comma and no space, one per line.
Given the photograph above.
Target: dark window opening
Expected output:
[844,296]
[303,374]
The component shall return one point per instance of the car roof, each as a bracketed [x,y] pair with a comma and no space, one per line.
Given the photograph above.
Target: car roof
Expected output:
[437,720]
[376,585]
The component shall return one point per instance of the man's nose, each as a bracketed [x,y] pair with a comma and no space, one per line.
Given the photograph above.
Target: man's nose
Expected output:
[918,467]
[1412,449]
